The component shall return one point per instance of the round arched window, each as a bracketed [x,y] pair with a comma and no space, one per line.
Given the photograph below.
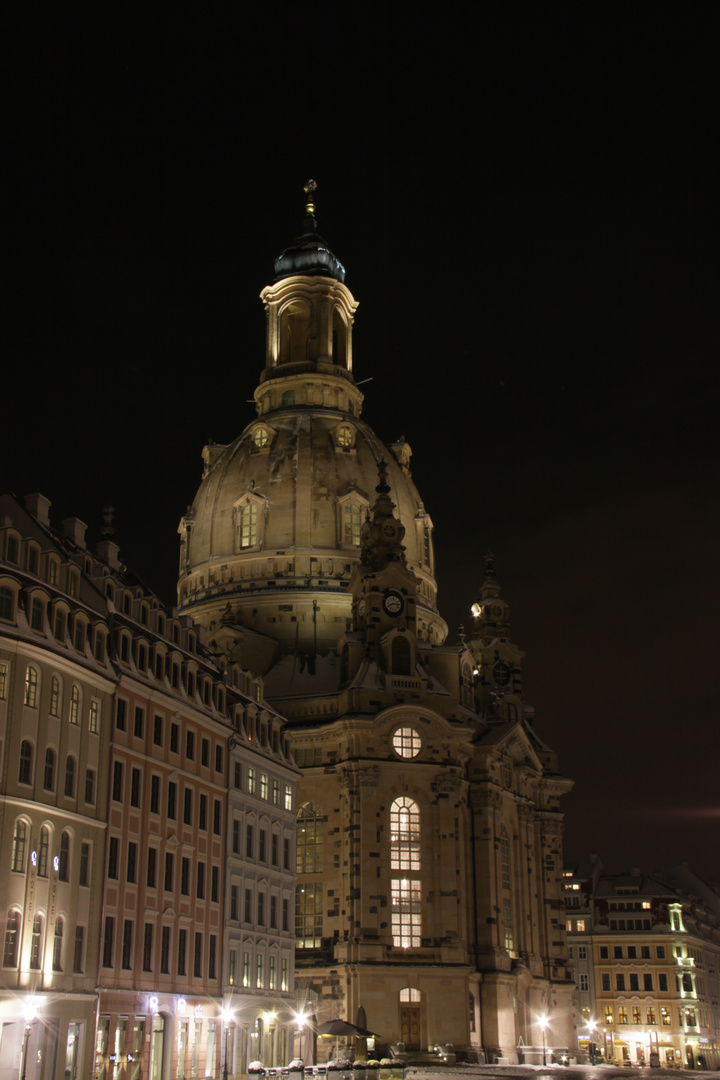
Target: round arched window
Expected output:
[260,437]
[407,742]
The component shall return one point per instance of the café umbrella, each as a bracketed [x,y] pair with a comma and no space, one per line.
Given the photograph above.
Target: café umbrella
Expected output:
[333,1029]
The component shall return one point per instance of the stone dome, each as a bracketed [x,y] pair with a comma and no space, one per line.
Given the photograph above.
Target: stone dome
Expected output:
[271,539]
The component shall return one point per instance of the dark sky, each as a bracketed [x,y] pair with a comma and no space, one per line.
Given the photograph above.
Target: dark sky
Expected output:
[527,209]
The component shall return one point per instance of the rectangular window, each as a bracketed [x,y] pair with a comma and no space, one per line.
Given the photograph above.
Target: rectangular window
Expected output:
[135,778]
[604,952]
[236,836]
[113,850]
[286,853]
[231,967]
[174,738]
[622,1014]
[215,885]
[185,876]
[169,868]
[202,813]
[308,915]
[182,952]
[632,952]
[288,797]
[662,982]
[660,952]
[151,867]
[108,941]
[583,982]
[617,952]
[219,759]
[190,745]
[172,800]
[79,950]
[200,883]
[147,946]
[620,982]
[212,957]
[582,952]
[197,955]
[139,721]
[94,716]
[248,905]
[246,969]
[284,975]
[605,982]
[251,781]
[636,1017]
[276,792]
[117,786]
[406,917]
[165,951]
[249,842]
[84,863]
[285,914]
[634,981]
[647,981]
[260,973]
[205,752]
[127,945]
[121,715]
[90,787]
[132,863]
[665,1016]
[187,810]
[158,730]
[609,1015]
[217,817]
[645,952]
[261,909]
[274,849]
[650,1015]
[233,902]
[237,776]
[263,786]
[154,794]
[273,912]
[262,853]
[272,975]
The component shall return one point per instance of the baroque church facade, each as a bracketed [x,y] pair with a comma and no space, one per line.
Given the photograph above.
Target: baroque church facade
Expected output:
[428,898]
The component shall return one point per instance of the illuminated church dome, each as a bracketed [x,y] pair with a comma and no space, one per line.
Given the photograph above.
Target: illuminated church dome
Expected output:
[271,539]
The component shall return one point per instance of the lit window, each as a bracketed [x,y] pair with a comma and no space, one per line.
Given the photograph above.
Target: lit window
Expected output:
[261,437]
[288,797]
[31,687]
[94,715]
[344,436]
[74,705]
[406,918]
[55,696]
[665,1016]
[18,853]
[650,1015]
[308,915]
[12,927]
[3,680]
[622,1014]
[251,781]
[407,742]
[309,840]
[36,943]
[581,925]
[43,848]
[352,520]
[404,835]
[609,1018]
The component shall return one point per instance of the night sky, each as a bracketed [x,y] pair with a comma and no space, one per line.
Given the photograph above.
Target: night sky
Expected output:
[527,209]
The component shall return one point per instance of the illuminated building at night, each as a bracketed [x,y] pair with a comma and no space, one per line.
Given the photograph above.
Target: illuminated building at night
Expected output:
[645,952]
[429,831]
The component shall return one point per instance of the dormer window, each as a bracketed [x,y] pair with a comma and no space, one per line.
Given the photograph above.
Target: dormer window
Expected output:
[351,510]
[249,513]
[344,436]
[261,437]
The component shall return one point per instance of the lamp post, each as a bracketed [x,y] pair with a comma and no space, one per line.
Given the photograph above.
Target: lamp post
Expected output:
[29,1014]
[226,1018]
[543,1025]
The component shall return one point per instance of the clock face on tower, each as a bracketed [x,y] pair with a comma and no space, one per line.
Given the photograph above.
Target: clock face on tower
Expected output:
[393,602]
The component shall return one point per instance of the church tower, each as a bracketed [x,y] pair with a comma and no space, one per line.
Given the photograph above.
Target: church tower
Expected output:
[428,824]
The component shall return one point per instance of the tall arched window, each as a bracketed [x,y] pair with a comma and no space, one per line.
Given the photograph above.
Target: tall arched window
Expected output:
[31,687]
[49,776]
[508,936]
[43,848]
[58,944]
[64,867]
[309,840]
[404,835]
[12,930]
[55,696]
[18,853]
[37,943]
[74,711]
[25,766]
[70,777]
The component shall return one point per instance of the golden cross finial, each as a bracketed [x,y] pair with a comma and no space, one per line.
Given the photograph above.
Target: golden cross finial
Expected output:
[310,189]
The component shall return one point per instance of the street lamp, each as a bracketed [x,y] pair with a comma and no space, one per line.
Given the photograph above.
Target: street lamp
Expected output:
[226,1018]
[543,1024]
[29,1013]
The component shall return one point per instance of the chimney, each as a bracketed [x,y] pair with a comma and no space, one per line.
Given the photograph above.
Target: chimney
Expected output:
[39,506]
[74,529]
[108,551]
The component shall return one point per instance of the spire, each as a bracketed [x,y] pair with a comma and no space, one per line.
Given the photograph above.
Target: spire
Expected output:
[309,254]
[492,614]
[382,534]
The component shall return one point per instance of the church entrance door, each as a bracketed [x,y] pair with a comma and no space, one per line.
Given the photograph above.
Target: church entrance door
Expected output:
[410,1026]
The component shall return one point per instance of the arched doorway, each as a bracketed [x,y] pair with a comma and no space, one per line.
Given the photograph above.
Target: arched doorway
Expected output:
[410,1018]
